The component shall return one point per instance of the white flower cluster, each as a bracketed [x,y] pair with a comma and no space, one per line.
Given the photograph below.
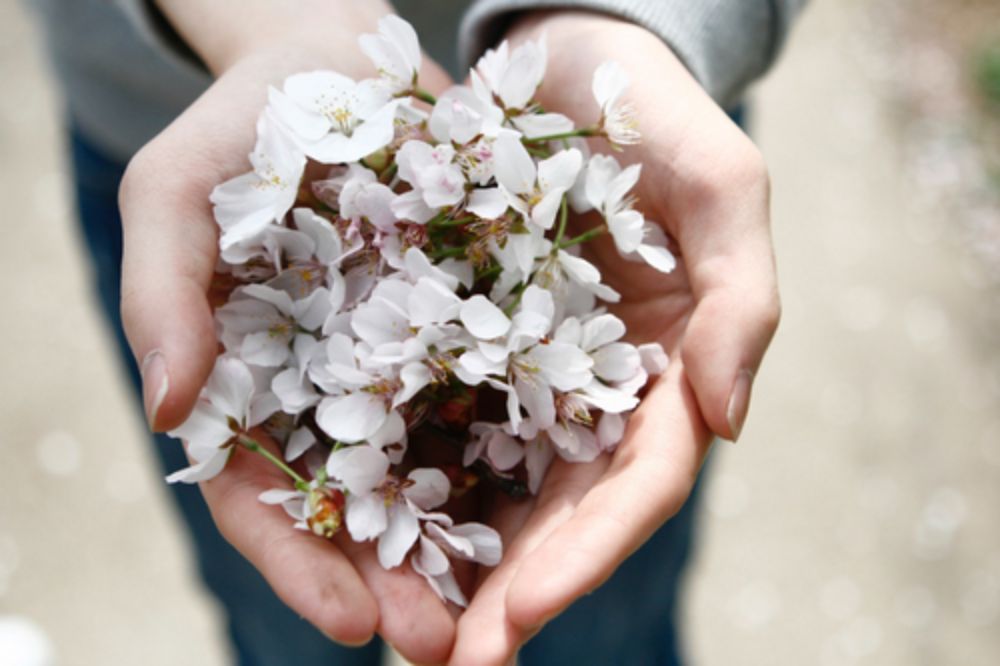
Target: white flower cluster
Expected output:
[398,274]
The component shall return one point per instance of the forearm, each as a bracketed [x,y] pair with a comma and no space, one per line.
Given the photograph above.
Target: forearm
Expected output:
[223,31]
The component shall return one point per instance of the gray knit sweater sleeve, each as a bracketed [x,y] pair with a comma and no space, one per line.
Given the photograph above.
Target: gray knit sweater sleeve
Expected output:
[726,44]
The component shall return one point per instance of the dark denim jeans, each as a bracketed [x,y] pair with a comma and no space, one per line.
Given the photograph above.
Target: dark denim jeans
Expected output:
[630,620]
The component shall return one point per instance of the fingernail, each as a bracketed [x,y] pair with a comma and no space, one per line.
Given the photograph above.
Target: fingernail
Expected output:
[739,402]
[155,384]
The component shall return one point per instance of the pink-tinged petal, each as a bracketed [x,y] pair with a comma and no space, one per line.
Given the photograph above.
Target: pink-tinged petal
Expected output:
[659,257]
[206,425]
[654,359]
[393,431]
[300,441]
[574,443]
[432,559]
[514,168]
[616,362]
[230,388]
[610,430]
[488,203]
[351,418]
[366,516]
[430,488]
[399,536]
[537,399]
[483,319]
[202,471]
[359,468]
[486,542]
[538,455]
[534,125]
[504,451]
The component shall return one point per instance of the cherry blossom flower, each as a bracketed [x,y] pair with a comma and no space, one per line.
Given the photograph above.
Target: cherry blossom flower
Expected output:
[223,412]
[607,190]
[617,117]
[533,190]
[246,205]
[395,51]
[383,505]
[334,118]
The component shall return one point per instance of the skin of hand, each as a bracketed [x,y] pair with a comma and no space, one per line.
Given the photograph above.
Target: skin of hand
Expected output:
[707,185]
[169,260]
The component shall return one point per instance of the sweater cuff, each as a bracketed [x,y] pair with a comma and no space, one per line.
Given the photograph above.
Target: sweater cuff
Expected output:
[154,28]
[725,44]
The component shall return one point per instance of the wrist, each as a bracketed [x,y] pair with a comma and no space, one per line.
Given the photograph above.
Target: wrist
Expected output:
[225,32]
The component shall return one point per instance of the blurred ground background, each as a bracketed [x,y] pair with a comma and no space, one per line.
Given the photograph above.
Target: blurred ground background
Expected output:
[856,521]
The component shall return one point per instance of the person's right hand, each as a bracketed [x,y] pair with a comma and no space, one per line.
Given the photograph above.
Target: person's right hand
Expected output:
[169,260]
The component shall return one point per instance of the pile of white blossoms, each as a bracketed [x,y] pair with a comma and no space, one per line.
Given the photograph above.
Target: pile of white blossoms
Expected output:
[400,271]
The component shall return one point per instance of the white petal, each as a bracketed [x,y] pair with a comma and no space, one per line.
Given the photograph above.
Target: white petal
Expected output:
[230,387]
[559,172]
[264,349]
[658,257]
[537,399]
[393,431]
[202,471]
[485,540]
[538,456]
[654,359]
[610,430]
[515,169]
[366,516]
[616,362]
[399,537]
[504,451]
[278,496]
[300,441]
[534,125]
[565,367]
[351,418]
[432,302]
[574,443]
[484,319]
[488,203]
[610,81]
[206,425]
[432,558]
[359,468]
[430,488]
[601,330]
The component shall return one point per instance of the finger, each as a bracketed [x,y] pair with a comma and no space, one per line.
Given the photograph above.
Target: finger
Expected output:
[412,618]
[485,633]
[726,243]
[311,575]
[650,477]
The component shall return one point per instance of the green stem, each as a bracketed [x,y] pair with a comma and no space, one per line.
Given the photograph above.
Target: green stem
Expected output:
[250,444]
[588,235]
[424,96]
[583,132]
[563,216]
[517,299]
[389,173]
[446,252]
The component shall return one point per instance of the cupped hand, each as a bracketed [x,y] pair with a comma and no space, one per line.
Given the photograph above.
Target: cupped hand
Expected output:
[169,260]
[706,184]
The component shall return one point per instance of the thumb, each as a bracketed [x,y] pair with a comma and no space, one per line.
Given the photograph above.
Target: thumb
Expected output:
[168,261]
[728,253]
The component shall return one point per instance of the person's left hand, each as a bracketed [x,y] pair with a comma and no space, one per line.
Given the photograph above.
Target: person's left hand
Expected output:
[705,184]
